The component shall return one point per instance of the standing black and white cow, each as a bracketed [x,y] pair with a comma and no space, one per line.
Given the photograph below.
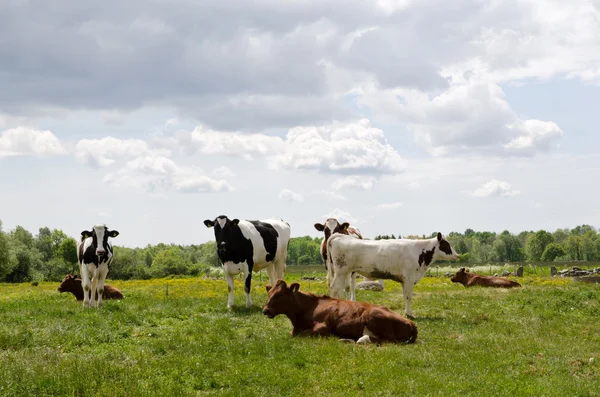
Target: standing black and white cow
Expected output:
[401,260]
[94,254]
[247,246]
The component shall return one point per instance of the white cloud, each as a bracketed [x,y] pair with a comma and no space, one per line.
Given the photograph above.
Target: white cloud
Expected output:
[105,151]
[390,206]
[223,171]
[211,142]
[494,188]
[351,148]
[536,135]
[354,182]
[159,174]
[342,216]
[22,141]
[471,117]
[288,195]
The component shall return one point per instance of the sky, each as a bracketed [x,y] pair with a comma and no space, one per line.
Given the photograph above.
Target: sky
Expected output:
[398,116]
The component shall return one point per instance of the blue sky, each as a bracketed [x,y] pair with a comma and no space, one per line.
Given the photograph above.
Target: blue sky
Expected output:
[399,116]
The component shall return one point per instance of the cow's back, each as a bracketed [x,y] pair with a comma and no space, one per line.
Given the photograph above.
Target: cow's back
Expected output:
[269,238]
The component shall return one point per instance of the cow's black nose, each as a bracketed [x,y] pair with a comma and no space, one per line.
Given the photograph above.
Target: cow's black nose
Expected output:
[265,311]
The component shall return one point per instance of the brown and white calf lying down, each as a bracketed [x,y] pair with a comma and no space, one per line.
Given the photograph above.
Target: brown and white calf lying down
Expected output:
[72,284]
[470,279]
[313,315]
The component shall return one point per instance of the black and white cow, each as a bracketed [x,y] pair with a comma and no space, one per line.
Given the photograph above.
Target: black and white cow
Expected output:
[247,246]
[94,254]
[401,260]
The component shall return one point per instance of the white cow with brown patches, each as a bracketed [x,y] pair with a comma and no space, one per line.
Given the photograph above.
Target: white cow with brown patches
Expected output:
[330,227]
[402,260]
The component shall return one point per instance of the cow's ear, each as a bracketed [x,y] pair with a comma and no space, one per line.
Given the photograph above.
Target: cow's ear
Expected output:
[439,236]
[86,234]
[113,233]
[235,222]
[280,282]
[268,287]
[294,287]
[345,226]
[319,227]
[209,223]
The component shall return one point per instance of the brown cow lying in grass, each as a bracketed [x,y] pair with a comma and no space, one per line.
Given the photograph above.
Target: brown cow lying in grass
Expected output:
[72,284]
[470,279]
[313,315]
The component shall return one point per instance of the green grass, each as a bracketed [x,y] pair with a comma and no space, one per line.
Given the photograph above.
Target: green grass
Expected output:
[540,340]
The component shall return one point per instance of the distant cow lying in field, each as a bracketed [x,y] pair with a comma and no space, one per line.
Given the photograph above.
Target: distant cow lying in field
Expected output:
[470,279]
[313,315]
[72,284]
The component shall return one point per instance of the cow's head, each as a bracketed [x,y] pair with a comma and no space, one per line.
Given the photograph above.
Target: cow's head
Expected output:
[99,235]
[332,226]
[461,276]
[281,299]
[224,232]
[68,283]
[445,250]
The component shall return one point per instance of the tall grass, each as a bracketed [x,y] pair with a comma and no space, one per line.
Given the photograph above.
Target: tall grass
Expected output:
[539,340]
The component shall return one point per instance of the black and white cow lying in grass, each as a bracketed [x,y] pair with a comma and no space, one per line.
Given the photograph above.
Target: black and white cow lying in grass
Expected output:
[401,260]
[94,254]
[247,246]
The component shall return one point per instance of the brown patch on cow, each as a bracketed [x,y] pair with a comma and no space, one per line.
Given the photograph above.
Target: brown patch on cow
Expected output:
[471,279]
[313,315]
[340,260]
[426,257]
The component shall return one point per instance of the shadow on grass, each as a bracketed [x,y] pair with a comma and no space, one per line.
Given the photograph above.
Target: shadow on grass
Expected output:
[240,311]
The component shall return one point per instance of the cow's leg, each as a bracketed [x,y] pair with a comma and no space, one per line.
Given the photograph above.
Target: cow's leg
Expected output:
[338,285]
[407,287]
[248,283]
[279,266]
[353,287]
[230,270]
[85,284]
[273,276]
[102,272]
[94,288]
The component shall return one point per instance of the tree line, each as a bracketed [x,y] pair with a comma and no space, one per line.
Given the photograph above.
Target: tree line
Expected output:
[50,254]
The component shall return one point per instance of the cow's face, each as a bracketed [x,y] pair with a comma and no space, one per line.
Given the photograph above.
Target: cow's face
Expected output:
[281,299]
[445,250]
[67,284]
[460,276]
[224,231]
[332,226]
[100,235]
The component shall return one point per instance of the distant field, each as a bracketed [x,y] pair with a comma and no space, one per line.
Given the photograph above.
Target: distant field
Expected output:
[540,340]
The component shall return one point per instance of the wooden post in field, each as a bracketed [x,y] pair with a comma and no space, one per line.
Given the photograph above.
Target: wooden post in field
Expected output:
[167,290]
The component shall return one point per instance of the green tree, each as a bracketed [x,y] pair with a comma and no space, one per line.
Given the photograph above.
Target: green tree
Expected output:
[536,244]
[553,251]
[169,261]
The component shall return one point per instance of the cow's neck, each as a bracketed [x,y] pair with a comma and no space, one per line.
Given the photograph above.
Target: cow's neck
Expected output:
[305,303]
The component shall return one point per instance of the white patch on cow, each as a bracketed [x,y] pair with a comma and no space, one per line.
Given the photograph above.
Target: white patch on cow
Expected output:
[100,229]
[222,222]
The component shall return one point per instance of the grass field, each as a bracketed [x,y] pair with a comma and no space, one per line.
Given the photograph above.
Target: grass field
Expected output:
[541,340]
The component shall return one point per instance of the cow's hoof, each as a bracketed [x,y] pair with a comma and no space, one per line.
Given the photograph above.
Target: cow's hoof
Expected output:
[410,316]
[343,340]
